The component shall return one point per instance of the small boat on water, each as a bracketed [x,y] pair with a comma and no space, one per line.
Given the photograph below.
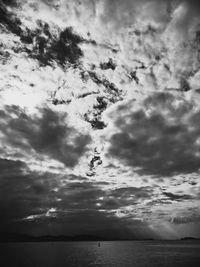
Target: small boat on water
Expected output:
[99,245]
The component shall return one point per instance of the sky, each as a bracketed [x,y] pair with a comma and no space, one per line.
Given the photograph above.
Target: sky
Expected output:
[99,118]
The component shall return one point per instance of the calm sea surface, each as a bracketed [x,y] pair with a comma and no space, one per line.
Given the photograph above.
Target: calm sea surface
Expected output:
[119,254]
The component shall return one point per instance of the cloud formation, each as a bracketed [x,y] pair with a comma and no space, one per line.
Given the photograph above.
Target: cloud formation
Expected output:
[46,133]
[128,12]
[155,12]
[177,197]
[40,203]
[46,43]
[161,139]
[84,57]
[193,217]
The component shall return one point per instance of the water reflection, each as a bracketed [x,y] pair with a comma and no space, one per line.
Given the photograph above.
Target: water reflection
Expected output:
[113,254]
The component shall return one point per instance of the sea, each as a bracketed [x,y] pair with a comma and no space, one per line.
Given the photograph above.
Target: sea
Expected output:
[109,253]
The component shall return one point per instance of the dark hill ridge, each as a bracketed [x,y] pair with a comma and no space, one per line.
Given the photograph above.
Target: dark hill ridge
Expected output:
[190,238]
[13,237]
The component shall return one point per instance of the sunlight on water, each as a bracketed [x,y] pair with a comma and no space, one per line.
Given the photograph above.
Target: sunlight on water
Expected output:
[113,254]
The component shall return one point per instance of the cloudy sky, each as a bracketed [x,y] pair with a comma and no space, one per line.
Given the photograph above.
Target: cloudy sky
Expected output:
[99,117]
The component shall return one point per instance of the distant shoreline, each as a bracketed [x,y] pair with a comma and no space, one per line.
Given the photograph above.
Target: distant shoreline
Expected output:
[12,238]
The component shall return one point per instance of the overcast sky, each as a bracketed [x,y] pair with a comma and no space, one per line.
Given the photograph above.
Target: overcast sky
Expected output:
[99,117]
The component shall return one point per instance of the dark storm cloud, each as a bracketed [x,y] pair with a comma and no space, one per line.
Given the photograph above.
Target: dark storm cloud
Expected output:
[102,223]
[193,5]
[158,202]
[161,139]
[47,47]
[123,197]
[78,196]
[16,197]
[10,2]
[11,22]
[87,222]
[177,197]
[137,192]
[48,134]
[9,167]
[30,204]
[61,49]
[86,195]
[24,193]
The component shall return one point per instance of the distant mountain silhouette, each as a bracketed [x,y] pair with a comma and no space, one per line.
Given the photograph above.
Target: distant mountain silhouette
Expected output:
[190,238]
[14,237]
